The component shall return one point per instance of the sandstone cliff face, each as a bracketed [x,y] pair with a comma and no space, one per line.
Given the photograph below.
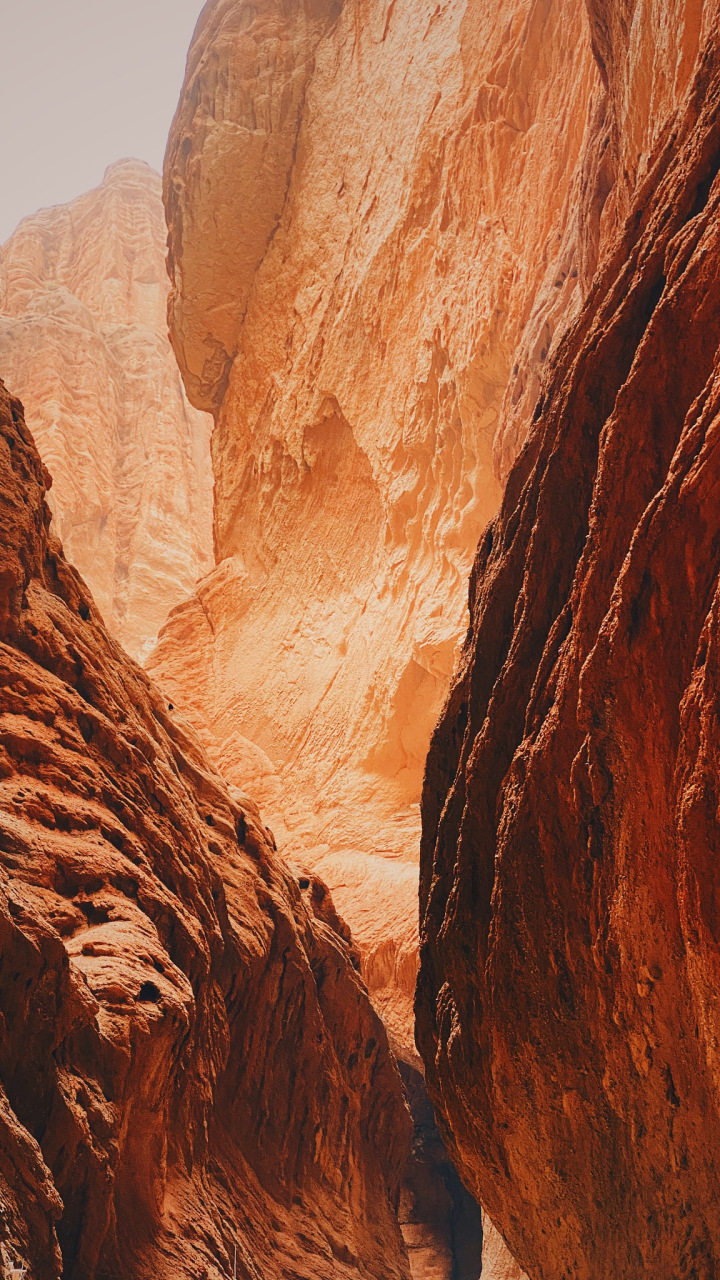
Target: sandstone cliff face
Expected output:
[567,1002]
[189,1061]
[369,205]
[83,341]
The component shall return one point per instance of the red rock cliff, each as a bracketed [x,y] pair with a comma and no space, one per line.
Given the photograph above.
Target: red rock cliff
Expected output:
[567,1002]
[188,1060]
[83,342]
[372,215]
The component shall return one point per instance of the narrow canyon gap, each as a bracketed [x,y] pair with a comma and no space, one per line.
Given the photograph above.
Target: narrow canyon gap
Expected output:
[372,212]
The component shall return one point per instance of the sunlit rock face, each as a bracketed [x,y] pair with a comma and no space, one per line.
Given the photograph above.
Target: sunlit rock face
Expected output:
[371,207]
[190,1065]
[567,1001]
[497,1262]
[83,341]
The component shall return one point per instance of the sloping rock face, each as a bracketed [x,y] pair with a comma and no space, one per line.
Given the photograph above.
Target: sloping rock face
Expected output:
[189,1061]
[371,208]
[567,1002]
[83,342]
[497,1262]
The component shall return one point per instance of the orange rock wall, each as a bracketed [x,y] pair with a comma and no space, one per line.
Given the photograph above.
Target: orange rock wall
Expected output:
[567,1003]
[189,1062]
[645,53]
[83,341]
[368,205]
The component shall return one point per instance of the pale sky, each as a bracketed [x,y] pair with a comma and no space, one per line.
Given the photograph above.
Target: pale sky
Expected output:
[84,83]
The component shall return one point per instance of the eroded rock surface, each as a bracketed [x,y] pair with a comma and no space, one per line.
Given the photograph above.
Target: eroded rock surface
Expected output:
[189,1061]
[371,208]
[567,1002]
[83,342]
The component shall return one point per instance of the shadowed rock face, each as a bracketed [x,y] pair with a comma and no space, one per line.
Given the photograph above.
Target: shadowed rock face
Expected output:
[83,342]
[188,1058]
[567,1002]
[373,233]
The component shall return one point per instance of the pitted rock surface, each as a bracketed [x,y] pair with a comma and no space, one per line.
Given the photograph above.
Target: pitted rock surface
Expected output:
[188,1057]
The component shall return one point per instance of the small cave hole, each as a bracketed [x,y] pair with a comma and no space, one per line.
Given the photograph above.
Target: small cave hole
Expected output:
[171,706]
[126,885]
[115,838]
[304,882]
[84,611]
[94,914]
[148,993]
[86,727]
[241,828]
[210,820]
[158,964]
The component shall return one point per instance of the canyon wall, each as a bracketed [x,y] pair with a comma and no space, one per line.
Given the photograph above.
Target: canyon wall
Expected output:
[189,1062]
[83,342]
[373,228]
[567,1002]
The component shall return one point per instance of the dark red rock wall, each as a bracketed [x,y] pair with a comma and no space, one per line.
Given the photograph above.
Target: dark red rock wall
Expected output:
[570,889]
[188,1059]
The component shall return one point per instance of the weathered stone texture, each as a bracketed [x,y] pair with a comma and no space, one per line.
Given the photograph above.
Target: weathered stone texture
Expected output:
[83,342]
[189,1059]
[369,205]
[567,1002]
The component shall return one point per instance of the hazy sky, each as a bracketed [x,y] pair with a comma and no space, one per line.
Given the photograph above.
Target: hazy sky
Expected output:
[84,83]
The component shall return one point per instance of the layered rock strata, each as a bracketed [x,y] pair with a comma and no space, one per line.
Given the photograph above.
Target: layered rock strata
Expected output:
[371,210]
[189,1062]
[83,342]
[567,1002]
